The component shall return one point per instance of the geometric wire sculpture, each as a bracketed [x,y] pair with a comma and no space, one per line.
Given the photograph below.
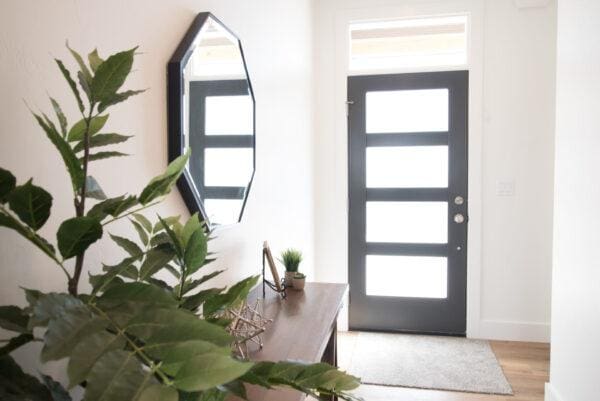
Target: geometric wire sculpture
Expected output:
[247,325]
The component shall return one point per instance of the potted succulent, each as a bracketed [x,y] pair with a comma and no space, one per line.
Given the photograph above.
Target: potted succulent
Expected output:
[299,281]
[291,259]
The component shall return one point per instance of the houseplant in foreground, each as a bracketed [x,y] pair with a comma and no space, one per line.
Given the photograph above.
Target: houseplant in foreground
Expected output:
[133,337]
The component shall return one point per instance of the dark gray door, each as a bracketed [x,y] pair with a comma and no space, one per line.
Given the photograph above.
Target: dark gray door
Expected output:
[408,202]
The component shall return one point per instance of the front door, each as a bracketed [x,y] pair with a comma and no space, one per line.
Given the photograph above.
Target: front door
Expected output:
[408,202]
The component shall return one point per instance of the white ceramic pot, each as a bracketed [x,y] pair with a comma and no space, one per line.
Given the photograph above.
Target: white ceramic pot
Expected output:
[299,283]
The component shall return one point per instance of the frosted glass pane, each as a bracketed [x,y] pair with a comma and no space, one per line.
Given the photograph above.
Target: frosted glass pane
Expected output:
[407,167]
[408,222]
[229,115]
[407,276]
[228,167]
[408,43]
[223,211]
[423,110]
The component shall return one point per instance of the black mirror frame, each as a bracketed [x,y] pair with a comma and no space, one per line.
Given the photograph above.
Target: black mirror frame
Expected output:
[175,87]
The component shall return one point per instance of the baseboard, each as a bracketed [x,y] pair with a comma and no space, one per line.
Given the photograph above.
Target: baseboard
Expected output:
[551,394]
[514,331]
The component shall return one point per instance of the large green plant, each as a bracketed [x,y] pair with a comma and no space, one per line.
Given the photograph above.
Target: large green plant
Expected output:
[133,337]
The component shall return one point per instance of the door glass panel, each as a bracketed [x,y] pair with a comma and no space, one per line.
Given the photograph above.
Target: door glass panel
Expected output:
[407,276]
[424,110]
[228,167]
[407,222]
[407,167]
[229,115]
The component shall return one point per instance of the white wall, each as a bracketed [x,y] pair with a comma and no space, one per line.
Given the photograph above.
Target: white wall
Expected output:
[511,135]
[276,39]
[574,369]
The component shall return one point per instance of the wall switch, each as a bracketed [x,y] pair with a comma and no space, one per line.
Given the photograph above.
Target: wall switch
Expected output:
[505,188]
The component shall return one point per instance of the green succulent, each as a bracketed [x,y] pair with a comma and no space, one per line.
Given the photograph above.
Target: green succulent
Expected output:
[291,259]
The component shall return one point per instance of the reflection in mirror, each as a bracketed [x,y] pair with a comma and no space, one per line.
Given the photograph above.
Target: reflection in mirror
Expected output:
[218,124]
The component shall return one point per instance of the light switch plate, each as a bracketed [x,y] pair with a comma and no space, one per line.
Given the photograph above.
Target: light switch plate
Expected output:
[505,188]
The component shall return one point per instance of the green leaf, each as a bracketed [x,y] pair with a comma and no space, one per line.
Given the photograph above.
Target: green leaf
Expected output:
[193,302]
[117,98]
[95,60]
[117,376]
[136,293]
[77,131]
[141,232]
[168,221]
[75,235]
[128,245]
[68,156]
[156,259]
[93,189]
[233,296]
[174,355]
[174,272]
[161,185]
[193,284]
[16,385]
[125,268]
[62,119]
[101,140]
[49,306]
[195,251]
[87,352]
[15,343]
[83,68]
[57,391]
[13,318]
[31,203]
[26,232]
[71,83]
[32,296]
[112,207]
[105,155]
[7,183]
[100,282]
[66,330]
[190,227]
[309,378]
[140,218]
[180,328]
[84,85]
[111,75]
[158,392]
[173,237]
[205,371]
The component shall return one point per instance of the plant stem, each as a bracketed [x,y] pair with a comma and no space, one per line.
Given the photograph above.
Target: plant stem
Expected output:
[130,213]
[80,205]
[139,351]
[30,235]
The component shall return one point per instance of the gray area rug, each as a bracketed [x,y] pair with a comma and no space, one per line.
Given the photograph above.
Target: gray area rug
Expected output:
[428,362]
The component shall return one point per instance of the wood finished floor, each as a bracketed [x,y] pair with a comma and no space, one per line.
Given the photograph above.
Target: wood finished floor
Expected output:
[526,366]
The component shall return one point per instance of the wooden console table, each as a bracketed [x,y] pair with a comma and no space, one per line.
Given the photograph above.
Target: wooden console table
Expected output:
[303,329]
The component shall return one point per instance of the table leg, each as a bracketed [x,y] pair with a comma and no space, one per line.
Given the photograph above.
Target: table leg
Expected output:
[330,354]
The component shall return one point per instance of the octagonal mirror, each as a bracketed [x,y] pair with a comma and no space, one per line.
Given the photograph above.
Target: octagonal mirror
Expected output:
[211,110]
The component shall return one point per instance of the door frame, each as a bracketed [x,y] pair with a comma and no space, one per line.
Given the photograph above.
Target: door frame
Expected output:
[474,9]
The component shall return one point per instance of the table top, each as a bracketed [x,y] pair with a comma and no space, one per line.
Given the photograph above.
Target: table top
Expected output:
[301,328]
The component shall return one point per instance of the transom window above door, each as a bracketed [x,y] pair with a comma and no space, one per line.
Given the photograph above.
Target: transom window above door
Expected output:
[405,44]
